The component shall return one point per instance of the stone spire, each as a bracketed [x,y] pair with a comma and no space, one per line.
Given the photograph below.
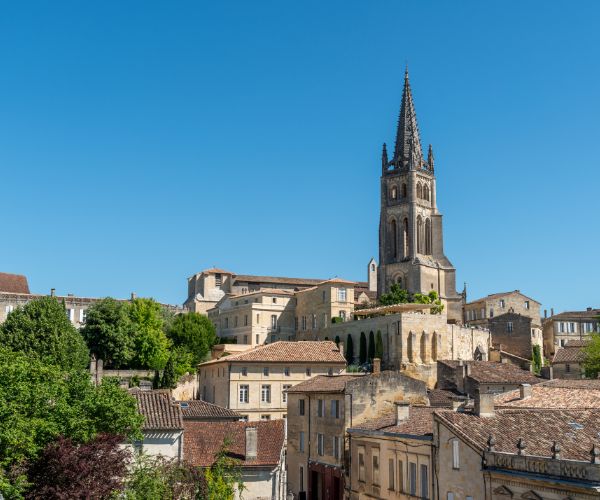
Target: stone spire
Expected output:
[384,157]
[407,137]
[430,158]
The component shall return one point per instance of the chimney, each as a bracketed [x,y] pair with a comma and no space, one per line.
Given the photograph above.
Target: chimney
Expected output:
[545,313]
[52,292]
[133,296]
[251,443]
[484,404]
[402,411]
[376,365]
[525,391]
[552,311]
[468,367]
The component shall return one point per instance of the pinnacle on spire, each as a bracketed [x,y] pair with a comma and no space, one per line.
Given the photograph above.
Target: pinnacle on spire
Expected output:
[430,159]
[407,136]
[384,157]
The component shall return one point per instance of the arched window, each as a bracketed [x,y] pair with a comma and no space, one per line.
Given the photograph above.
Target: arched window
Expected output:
[419,234]
[399,281]
[394,193]
[426,192]
[419,190]
[405,237]
[394,236]
[403,190]
[428,237]
[372,267]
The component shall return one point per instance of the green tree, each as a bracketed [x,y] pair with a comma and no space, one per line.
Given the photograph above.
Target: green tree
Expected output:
[169,378]
[337,340]
[156,380]
[349,350]
[39,402]
[151,345]
[193,332]
[536,359]
[362,353]
[430,298]
[371,345]
[41,328]
[224,476]
[378,345]
[108,332]
[591,360]
[396,295]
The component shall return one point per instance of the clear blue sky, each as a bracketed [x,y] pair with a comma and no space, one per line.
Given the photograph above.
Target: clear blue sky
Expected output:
[141,142]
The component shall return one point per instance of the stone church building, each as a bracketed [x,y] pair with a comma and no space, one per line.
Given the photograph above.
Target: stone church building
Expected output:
[411,245]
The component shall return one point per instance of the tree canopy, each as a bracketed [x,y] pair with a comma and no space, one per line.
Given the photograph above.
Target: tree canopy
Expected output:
[591,362]
[396,295]
[42,329]
[194,333]
[151,345]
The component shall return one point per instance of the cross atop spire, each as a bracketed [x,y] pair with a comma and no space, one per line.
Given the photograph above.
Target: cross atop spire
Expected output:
[407,137]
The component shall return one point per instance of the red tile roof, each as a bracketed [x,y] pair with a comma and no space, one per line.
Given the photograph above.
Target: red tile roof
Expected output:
[203,440]
[591,314]
[203,409]
[13,283]
[491,372]
[555,393]
[442,398]
[324,383]
[419,422]
[572,352]
[305,351]
[575,430]
[276,279]
[160,413]
[501,294]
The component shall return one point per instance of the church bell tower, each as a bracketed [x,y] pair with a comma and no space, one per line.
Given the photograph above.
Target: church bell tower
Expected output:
[411,250]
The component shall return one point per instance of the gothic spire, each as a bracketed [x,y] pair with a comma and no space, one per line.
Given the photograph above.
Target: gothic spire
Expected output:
[384,157]
[430,159]
[407,136]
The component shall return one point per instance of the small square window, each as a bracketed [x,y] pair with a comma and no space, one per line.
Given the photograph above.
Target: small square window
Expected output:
[244,371]
[266,371]
[286,371]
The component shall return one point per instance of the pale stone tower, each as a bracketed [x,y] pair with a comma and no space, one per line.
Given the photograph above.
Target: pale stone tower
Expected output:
[372,275]
[411,250]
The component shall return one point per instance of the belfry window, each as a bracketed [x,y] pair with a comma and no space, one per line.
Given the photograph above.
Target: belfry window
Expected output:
[426,192]
[403,190]
[419,190]
[428,237]
[394,235]
[405,237]
[394,193]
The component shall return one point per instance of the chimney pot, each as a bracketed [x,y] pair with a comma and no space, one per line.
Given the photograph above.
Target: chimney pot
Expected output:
[376,365]
[525,391]
[484,404]
[402,411]
[251,443]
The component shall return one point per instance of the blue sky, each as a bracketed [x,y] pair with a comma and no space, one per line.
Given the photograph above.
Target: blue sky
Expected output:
[141,142]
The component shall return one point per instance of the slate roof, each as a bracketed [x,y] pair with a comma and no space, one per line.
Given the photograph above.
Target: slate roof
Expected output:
[324,383]
[202,440]
[13,283]
[160,413]
[419,422]
[575,430]
[491,372]
[555,393]
[305,351]
[203,409]
[572,352]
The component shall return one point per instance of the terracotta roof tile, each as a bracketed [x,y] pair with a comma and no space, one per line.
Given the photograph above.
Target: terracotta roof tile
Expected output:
[419,422]
[305,351]
[277,279]
[324,383]
[202,441]
[575,430]
[442,398]
[203,409]
[572,352]
[491,372]
[13,283]
[555,393]
[591,314]
[160,413]
[501,294]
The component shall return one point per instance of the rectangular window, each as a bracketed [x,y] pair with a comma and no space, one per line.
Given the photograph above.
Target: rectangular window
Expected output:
[424,482]
[314,321]
[336,447]
[257,318]
[361,465]
[335,408]
[244,371]
[568,368]
[301,407]
[244,418]
[9,309]
[343,315]
[245,339]
[572,329]
[286,371]
[226,322]
[301,478]
[561,327]
[81,315]
[71,314]
[323,296]
[265,417]
[273,321]
[509,326]
[266,371]
[526,304]
[244,393]
[491,312]
[455,454]
[321,444]
[341,295]
[284,394]
[257,339]
[376,467]
[265,393]
[391,473]
[235,321]
[217,280]
[450,496]
[320,408]
[501,303]
[400,476]
[412,478]
[324,323]
[301,441]
[308,372]
[246,320]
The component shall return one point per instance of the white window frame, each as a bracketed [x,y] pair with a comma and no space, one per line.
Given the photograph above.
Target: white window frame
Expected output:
[456,454]
[244,394]
[321,444]
[265,393]
[283,393]
[342,295]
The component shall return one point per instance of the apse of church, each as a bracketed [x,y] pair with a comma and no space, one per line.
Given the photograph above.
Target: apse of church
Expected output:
[411,250]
